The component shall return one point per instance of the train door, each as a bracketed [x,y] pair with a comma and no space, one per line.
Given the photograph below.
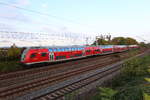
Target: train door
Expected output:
[83,52]
[51,56]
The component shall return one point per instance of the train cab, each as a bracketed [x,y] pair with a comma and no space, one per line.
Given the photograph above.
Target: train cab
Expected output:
[31,56]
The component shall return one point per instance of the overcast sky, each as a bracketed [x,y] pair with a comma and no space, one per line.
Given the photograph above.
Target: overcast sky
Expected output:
[71,21]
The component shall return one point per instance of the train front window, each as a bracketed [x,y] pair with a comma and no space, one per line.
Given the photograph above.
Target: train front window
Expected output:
[43,54]
[24,54]
[33,55]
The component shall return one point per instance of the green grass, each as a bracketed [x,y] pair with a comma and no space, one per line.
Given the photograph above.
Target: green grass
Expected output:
[133,52]
[6,66]
[146,96]
[147,79]
[132,84]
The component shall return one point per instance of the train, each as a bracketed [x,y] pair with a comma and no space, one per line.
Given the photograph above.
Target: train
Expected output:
[36,55]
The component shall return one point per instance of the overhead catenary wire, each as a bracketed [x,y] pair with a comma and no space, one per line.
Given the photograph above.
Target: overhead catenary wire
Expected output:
[35,37]
[37,12]
[45,14]
[8,18]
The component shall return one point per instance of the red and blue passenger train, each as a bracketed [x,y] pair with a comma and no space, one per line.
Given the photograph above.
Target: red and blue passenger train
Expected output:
[35,55]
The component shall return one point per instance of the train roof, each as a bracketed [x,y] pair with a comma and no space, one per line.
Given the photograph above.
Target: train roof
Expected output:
[42,47]
[75,46]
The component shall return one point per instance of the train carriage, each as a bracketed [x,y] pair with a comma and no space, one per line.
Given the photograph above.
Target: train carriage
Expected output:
[96,50]
[120,48]
[51,54]
[88,51]
[107,48]
[65,52]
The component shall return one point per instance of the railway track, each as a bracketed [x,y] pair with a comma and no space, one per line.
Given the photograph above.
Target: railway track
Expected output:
[35,83]
[19,73]
[49,80]
[36,70]
[23,76]
[43,73]
[60,93]
[12,82]
[46,81]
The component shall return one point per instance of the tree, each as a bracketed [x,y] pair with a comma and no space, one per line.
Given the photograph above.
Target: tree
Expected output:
[124,41]
[118,41]
[143,44]
[100,42]
[131,41]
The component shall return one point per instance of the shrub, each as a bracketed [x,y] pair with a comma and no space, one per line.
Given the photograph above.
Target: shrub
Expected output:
[132,83]
[10,54]
[14,53]
[135,67]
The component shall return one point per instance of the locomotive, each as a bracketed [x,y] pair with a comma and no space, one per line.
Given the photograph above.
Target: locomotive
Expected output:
[36,55]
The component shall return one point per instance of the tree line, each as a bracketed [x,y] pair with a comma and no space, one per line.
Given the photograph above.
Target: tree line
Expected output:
[115,41]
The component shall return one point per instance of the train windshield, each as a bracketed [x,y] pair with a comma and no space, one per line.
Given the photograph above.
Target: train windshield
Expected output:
[24,54]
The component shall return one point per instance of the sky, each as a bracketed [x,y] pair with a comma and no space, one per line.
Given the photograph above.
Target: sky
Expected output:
[70,22]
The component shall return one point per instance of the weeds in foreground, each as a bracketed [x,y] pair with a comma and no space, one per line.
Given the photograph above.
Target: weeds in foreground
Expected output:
[10,66]
[132,84]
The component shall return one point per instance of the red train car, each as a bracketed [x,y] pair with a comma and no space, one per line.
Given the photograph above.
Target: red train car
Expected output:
[107,49]
[52,54]
[31,56]
[39,55]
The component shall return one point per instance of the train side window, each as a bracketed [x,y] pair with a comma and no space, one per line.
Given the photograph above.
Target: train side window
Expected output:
[51,50]
[97,50]
[55,50]
[88,50]
[43,54]
[68,49]
[33,55]
[63,49]
[58,49]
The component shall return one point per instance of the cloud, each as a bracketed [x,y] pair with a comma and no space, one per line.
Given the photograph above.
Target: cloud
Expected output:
[14,13]
[12,17]
[44,5]
[22,3]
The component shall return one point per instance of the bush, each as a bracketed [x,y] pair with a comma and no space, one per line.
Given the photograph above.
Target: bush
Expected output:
[10,54]
[14,53]
[132,83]
[135,67]
[9,59]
